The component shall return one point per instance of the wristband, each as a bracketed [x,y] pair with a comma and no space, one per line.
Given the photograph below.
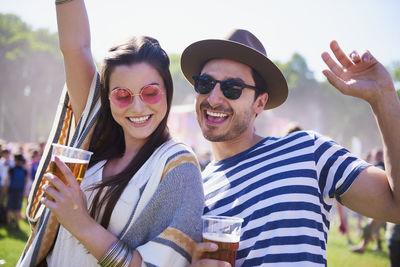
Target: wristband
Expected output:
[59,2]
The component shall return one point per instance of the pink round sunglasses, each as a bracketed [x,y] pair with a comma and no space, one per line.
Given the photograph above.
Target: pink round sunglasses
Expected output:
[123,97]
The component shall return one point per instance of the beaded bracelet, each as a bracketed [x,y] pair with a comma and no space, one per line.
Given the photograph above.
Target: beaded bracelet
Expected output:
[59,2]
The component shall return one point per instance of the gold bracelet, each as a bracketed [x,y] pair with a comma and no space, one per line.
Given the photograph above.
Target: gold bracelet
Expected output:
[106,259]
[128,258]
[59,2]
[119,254]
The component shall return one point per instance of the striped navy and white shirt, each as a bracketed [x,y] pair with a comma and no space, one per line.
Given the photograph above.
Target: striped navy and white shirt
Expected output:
[284,189]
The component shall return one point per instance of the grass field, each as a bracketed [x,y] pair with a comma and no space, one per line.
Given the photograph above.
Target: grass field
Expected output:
[12,243]
[339,255]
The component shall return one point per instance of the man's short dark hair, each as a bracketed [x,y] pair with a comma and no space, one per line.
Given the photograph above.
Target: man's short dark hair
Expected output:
[19,157]
[260,83]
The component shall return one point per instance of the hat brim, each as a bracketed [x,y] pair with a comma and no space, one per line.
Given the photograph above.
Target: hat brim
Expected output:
[195,55]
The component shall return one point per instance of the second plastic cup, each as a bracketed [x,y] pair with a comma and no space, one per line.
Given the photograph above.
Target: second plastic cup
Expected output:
[225,232]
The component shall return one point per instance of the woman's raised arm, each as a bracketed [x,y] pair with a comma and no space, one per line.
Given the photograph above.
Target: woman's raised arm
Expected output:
[74,37]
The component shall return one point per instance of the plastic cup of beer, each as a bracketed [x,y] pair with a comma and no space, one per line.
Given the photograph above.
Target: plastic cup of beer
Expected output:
[76,159]
[225,232]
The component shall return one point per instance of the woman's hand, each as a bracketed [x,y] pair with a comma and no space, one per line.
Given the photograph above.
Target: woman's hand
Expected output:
[68,202]
[198,252]
[70,208]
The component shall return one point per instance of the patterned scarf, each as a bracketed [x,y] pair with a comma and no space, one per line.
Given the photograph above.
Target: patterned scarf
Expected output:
[43,223]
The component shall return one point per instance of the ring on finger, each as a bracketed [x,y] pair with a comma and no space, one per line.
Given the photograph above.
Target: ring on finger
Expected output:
[355,56]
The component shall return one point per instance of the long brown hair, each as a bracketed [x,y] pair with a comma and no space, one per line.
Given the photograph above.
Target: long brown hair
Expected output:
[108,138]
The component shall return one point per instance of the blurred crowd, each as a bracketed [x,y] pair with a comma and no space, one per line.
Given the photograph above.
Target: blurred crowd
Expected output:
[18,165]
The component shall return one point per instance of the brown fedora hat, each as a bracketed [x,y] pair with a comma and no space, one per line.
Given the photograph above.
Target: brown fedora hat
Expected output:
[241,46]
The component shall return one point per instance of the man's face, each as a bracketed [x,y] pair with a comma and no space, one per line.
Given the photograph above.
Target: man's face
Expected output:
[19,163]
[222,119]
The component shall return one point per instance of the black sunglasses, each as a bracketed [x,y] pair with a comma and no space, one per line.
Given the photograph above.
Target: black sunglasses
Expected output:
[231,88]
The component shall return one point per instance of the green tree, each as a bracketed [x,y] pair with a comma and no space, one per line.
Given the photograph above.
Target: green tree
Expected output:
[321,107]
[183,90]
[32,77]
[395,72]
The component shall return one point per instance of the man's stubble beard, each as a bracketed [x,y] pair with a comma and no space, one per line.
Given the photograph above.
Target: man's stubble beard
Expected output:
[239,127]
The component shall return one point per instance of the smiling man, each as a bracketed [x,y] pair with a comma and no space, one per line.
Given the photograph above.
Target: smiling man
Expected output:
[284,187]
[221,122]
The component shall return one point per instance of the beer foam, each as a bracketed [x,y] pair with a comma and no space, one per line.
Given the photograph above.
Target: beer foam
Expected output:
[70,160]
[220,237]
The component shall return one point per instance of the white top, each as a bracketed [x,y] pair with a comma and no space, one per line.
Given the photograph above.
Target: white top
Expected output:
[3,172]
[67,249]
[4,167]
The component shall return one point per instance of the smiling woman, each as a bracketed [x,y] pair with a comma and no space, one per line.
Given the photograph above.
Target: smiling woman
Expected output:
[139,115]
[124,211]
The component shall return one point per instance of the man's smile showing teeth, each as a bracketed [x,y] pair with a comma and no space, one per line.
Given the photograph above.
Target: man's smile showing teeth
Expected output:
[213,117]
[139,119]
[215,114]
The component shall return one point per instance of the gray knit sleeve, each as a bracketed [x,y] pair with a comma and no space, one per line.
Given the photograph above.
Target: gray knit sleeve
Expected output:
[171,221]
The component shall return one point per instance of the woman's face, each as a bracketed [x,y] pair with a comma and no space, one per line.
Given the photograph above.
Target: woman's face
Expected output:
[138,119]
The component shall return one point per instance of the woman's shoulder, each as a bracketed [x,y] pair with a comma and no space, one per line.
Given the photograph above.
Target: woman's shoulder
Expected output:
[178,151]
[178,154]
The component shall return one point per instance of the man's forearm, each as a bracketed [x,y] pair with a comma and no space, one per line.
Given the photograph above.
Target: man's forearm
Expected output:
[387,114]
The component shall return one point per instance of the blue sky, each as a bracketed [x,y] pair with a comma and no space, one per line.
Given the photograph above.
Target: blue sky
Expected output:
[284,27]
